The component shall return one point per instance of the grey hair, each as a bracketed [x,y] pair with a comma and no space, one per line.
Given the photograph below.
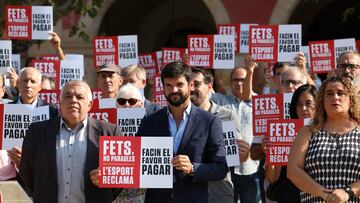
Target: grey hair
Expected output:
[303,77]
[31,68]
[129,88]
[77,82]
[348,52]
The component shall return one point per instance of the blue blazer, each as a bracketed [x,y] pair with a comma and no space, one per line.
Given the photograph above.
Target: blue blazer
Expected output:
[203,143]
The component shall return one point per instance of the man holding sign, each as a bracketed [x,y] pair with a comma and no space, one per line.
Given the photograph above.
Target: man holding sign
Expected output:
[218,190]
[198,140]
[59,154]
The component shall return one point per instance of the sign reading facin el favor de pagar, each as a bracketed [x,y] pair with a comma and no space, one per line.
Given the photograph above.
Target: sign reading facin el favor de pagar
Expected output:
[5,55]
[29,22]
[135,162]
[231,148]
[274,42]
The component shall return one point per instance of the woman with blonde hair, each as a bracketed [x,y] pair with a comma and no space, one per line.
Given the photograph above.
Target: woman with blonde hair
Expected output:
[324,162]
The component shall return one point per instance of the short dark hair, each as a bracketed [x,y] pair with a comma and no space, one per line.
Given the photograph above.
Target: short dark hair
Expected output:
[298,92]
[208,77]
[176,69]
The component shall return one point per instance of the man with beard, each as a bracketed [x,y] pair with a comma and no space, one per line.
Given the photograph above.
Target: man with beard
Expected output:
[199,152]
[219,191]
[109,80]
[349,66]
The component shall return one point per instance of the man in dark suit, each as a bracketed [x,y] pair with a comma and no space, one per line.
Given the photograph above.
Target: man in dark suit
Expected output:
[136,75]
[29,86]
[199,153]
[59,154]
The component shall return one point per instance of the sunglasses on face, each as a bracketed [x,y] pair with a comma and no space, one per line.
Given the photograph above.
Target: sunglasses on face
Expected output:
[293,82]
[122,101]
[348,65]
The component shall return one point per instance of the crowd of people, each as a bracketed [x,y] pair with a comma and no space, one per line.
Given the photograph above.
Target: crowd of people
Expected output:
[58,161]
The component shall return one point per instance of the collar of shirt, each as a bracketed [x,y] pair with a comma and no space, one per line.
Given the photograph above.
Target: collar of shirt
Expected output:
[78,126]
[32,104]
[178,132]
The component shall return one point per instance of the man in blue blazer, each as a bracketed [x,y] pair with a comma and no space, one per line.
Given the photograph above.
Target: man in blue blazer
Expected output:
[199,152]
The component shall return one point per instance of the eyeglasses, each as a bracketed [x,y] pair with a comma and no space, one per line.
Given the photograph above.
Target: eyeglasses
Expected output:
[122,101]
[197,83]
[348,65]
[293,82]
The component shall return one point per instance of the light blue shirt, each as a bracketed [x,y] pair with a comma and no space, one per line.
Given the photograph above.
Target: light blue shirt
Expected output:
[70,161]
[178,132]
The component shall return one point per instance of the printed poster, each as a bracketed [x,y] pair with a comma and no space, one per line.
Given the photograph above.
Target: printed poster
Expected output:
[29,22]
[135,162]
[231,148]
[129,120]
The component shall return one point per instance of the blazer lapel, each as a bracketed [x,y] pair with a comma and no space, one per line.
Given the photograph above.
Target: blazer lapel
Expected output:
[191,125]
[53,127]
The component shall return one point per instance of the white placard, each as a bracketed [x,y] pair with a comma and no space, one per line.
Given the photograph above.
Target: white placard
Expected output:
[129,119]
[231,148]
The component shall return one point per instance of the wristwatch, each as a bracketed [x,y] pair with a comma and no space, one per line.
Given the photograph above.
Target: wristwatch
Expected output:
[192,172]
[349,191]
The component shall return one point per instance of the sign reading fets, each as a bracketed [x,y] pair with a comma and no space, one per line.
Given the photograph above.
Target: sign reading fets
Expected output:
[15,120]
[70,70]
[50,69]
[241,34]
[149,62]
[50,96]
[282,134]
[172,54]
[159,91]
[212,51]
[135,162]
[231,29]
[96,93]
[265,108]
[29,22]
[106,115]
[120,50]
[274,42]
[231,148]
[323,54]
[129,119]
[5,55]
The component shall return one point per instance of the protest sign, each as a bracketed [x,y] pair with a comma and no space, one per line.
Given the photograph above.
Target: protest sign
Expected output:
[15,120]
[50,96]
[135,162]
[265,108]
[159,60]
[172,54]
[107,103]
[281,133]
[96,93]
[159,91]
[16,62]
[40,113]
[48,68]
[289,42]
[29,22]
[343,45]
[119,50]
[5,55]
[358,45]
[70,70]
[244,38]
[322,56]
[286,104]
[211,51]
[306,51]
[129,119]
[150,64]
[231,29]
[263,42]
[231,148]
[106,115]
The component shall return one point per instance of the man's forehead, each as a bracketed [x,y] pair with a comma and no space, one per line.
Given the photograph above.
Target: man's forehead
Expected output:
[75,89]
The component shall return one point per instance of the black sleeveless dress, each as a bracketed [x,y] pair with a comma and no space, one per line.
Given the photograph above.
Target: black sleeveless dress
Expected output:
[333,160]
